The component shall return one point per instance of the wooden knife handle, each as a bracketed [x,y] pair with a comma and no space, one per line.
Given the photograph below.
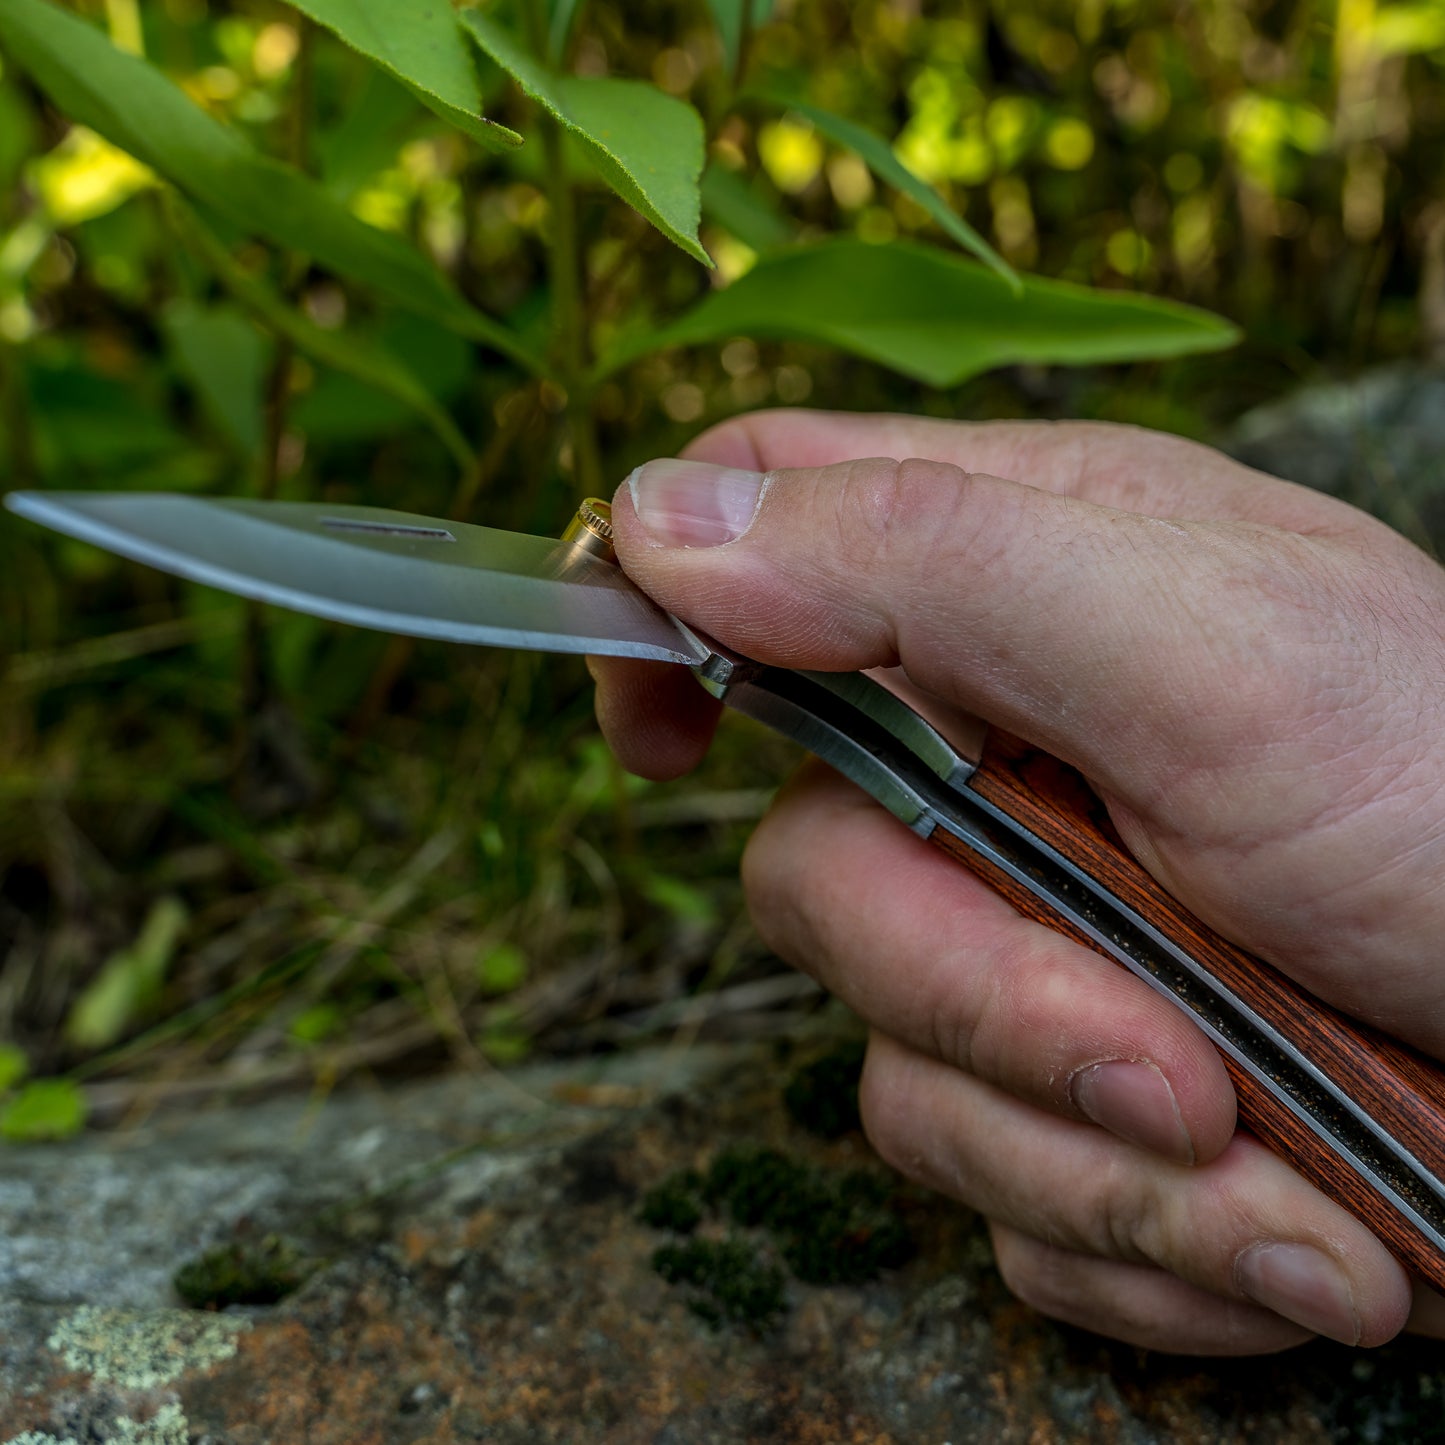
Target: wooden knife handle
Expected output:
[1403,1091]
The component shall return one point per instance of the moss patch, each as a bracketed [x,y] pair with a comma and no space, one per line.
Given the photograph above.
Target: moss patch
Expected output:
[828,1228]
[244,1272]
[822,1096]
[731,1281]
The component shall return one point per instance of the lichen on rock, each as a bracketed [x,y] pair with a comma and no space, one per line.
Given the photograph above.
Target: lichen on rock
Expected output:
[141,1349]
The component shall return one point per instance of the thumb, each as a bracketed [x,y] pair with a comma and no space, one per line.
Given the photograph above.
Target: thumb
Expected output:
[1092,631]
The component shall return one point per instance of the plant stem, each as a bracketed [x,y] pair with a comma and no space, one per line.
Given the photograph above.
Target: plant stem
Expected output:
[569,314]
[745,39]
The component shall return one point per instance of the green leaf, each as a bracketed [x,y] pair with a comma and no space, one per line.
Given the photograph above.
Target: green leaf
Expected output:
[315,1024]
[420,43]
[564,17]
[502,968]
[224,358]
[377,119]
[685,901]
[46,1109]
[647,146]
[1411,29]
[729,199]
[346,352]
[930,315]
[137,108]
[129,980]
[13,1066]
[878,156]
[729,17]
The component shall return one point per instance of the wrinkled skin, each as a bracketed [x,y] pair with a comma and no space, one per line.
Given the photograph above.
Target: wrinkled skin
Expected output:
[1252,677]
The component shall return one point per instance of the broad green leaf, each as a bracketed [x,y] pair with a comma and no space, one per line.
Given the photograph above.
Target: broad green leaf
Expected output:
[930,315]
[420,43]
[365,138]
[224,358]
[647,146]
[137,108]
[730,200]
[129,980]
[878,156]
[729,15]
[343,350]
[342,408]
[46,1109]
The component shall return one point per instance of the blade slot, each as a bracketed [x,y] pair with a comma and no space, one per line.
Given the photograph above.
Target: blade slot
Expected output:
[387,529]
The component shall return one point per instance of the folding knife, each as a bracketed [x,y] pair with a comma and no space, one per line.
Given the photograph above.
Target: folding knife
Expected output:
[1359,1115]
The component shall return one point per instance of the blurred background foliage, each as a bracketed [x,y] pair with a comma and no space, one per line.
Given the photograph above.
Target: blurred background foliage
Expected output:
[242,850]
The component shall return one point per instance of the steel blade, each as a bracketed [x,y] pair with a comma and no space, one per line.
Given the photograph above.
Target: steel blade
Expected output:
[377,568]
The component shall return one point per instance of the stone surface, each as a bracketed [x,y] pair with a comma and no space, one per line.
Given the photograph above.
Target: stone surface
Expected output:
[481,1273]
[1378,441]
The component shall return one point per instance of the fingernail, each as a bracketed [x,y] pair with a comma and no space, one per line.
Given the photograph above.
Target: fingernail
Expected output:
[1304,1285]
[693,504]
[1134,1101]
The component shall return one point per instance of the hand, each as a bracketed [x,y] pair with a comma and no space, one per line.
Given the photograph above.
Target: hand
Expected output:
[1252,677]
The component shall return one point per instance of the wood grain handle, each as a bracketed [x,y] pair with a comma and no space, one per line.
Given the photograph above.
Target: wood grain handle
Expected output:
[1389,1087]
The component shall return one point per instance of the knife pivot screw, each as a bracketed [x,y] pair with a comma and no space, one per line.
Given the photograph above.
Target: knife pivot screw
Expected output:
[591,529]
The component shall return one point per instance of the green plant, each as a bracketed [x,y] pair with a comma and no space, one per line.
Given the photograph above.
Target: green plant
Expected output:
[337,250]
[923,312]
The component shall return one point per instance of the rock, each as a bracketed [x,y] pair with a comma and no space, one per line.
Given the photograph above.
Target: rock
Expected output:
[467,1260]
[1377,441]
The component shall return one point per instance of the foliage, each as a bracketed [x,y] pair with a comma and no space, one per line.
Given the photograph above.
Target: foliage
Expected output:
[357,249]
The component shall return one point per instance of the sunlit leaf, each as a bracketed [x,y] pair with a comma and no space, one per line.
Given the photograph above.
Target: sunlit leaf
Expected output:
[85,176]
[137,108]
[646,145]
[46,1109]
[1409,29]
[421,44]
[343,350]
[129,980]
[878,155]
[930,315]
[729,15]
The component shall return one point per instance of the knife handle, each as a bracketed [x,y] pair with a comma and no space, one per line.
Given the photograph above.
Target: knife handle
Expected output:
[1401,1093]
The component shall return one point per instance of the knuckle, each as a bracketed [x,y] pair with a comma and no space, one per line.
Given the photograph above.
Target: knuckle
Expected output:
[895,513]
[1036,1273]
[1122,1217]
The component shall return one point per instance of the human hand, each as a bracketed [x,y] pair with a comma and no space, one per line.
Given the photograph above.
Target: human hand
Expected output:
[1252,677]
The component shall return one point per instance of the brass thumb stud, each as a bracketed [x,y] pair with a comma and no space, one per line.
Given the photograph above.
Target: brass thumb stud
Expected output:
[591,529]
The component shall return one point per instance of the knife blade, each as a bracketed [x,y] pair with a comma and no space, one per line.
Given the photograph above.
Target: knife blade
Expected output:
[1359,1115]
